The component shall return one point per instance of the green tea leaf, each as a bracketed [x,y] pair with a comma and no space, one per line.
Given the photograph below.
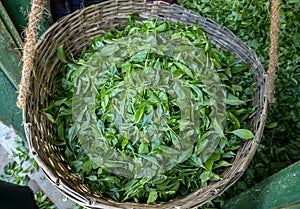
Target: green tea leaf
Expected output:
[92,178]
[151,159]
[234,120]
[61,54]
[243,134]
[138,115]
[143,149]
[152,196]
[272,125]
[222,163]
[109,50]
[210,162]
[185,69]
[50,117]
[76,165]
[233,100]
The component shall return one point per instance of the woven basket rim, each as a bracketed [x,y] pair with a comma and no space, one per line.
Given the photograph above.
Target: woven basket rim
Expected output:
[113,12]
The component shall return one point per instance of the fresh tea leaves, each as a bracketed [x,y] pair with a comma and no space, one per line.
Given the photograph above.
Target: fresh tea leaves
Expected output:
[148,124]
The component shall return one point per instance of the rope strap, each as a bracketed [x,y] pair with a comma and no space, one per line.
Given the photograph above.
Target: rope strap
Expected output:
[273,55]
[37,7]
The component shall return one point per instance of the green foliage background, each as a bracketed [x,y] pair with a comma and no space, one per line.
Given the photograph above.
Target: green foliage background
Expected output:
[250,21]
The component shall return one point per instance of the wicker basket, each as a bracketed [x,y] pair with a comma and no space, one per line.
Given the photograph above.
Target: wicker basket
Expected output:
[75,31]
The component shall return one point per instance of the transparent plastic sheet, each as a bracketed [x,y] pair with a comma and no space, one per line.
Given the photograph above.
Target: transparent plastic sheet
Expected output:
[92,136]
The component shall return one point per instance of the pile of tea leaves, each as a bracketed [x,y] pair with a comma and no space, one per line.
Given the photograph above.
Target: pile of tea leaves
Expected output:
[111,63]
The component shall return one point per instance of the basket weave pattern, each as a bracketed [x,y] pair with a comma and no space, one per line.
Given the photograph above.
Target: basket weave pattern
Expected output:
[75,32]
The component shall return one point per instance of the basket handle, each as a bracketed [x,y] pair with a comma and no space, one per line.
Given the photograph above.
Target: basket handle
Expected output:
[37,7]
[273,54]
